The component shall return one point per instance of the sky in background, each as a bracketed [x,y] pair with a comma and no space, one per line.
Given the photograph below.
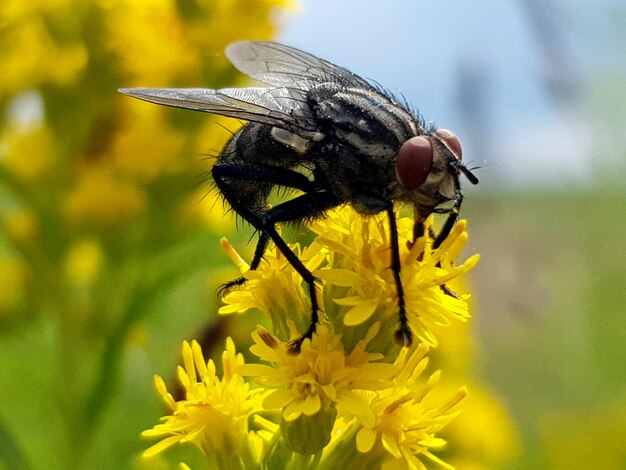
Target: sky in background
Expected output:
[514,79]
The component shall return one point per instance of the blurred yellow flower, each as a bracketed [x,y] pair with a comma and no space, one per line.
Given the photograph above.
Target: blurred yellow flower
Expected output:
[136,153]
[101,201]
[24,28]
[29,153]
[83,261]
[150,40]
[493,441]
[21,226]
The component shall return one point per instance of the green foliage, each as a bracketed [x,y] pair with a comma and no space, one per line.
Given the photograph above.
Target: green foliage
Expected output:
[550,308]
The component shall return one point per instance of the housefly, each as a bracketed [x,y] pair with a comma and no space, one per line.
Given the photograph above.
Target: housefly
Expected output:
[331,135]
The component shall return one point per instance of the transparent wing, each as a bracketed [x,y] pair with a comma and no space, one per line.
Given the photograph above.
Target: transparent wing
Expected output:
[280,65]
[282,107]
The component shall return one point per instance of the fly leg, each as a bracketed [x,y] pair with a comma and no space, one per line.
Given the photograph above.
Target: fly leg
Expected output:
[308,205]
[248,204]
[404,335]
[235,180]
[453,215]
[259,251]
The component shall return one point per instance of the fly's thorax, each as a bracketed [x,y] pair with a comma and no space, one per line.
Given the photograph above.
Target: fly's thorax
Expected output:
[369,122]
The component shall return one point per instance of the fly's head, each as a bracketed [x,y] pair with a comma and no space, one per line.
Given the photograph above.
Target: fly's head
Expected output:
[428,168]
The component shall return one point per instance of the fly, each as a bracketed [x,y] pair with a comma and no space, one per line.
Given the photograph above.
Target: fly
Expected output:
[335,137]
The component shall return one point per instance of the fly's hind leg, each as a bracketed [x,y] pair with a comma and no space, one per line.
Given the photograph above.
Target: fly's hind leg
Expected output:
[308,205]
[246,187]
[259,251]
[237,182]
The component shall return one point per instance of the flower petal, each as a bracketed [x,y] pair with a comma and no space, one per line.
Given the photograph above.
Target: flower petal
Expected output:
[311,405]
[278,399]
[365,439]
[360,312]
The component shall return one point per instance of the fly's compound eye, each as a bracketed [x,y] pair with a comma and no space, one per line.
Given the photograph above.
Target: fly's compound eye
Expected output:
[451,141]
[414,162]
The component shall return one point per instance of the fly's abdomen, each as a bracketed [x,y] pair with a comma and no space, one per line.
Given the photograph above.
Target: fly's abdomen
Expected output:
[250,167]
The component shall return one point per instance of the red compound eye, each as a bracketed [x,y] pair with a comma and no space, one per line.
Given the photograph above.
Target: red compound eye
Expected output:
[414,162]
[451,141]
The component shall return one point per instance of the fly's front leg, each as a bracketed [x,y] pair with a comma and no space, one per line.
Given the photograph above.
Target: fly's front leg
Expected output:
[420,214]
[453,215]
[404,335]
[448,225]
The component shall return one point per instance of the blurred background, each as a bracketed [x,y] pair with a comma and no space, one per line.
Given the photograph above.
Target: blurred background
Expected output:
[109,250]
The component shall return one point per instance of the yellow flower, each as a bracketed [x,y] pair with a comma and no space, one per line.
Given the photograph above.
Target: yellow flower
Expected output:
[275,288]
[151,42]
[405,428]
[359,259]
[214,413]
[341,401]
[317,383]
[137,154]
[21,226]
[494,441]
[102,200]
[322,375]
[83,262]
[32,55]
[34,141]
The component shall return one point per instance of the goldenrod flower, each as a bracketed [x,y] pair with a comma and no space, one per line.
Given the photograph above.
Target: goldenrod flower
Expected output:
[405,428]
[83,262]
[323,374]
[318,382]
[214,413]
[359,260]
[275,288]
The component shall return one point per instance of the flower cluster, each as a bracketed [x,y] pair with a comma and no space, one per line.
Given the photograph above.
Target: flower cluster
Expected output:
[350,397]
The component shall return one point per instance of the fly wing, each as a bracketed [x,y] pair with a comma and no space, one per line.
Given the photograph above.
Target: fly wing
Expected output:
[282,107]
[280,65]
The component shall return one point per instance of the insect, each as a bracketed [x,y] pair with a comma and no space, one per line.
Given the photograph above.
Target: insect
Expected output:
[333,136]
